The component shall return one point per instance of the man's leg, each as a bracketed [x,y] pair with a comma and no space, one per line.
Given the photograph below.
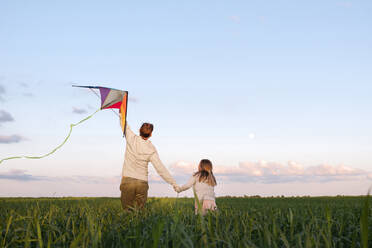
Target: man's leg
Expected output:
[128,194]
[142,188]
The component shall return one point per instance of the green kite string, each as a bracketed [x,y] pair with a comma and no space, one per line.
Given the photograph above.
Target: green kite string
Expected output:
[55,149]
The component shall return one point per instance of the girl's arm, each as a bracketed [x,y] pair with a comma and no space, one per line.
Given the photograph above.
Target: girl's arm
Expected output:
[189,184]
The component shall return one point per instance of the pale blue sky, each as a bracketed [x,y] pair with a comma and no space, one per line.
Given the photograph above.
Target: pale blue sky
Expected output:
[208,74]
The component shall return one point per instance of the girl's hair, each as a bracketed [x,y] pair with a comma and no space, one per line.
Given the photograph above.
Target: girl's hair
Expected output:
[205,172]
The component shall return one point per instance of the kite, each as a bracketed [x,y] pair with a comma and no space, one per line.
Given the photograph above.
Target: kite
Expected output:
[110,99]
[113,98]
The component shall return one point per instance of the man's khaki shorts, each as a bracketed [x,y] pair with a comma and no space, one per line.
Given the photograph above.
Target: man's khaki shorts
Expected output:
[133,193]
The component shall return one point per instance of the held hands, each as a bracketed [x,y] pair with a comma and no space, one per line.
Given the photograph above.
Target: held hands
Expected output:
[177,188]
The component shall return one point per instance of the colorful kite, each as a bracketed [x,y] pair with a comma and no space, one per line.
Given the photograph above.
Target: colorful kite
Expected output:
[110,99]
[113,98]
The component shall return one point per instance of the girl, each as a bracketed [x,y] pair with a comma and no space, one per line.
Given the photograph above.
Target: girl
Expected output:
[203,183]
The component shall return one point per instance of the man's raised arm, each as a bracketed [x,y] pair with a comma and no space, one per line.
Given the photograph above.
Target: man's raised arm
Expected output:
[129,135]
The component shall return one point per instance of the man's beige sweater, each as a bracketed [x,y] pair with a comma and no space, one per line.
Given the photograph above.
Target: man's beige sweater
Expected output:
[139,152]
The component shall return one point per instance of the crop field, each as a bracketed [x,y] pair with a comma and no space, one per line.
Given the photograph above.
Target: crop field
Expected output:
[171,222]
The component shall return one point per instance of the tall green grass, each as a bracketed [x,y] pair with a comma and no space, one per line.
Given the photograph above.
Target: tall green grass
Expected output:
[169,222]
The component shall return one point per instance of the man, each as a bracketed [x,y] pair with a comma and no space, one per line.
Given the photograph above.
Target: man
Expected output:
[139,152]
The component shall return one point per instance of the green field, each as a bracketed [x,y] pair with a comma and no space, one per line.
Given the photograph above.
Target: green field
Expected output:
[170,222]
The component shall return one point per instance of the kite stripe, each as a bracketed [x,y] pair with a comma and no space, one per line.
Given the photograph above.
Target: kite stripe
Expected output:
[93,87]
[55,149]
[123,110]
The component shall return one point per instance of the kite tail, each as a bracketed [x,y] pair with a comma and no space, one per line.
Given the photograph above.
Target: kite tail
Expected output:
[55,149]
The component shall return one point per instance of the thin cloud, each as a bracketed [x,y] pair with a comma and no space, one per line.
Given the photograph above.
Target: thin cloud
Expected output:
[78,110]
[24,85]
[5,139]
[19,175]
[133,99]
[89,179]
[247,172]
[5,117]
[90,107]
[22,175]
[2,92]
[345,4]
[28,94]
[235,18]
[274,172]
[262,19]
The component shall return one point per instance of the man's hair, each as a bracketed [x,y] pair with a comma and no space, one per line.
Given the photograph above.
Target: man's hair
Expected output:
[146,129]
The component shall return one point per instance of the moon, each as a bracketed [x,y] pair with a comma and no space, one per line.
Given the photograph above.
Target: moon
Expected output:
[251,135]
